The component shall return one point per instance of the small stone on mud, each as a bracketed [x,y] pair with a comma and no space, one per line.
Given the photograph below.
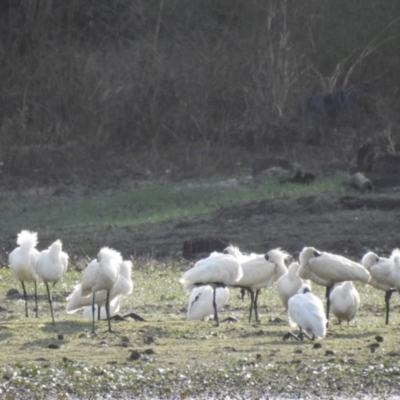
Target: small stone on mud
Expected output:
[12,292]
[125,339]
[379,338]
[60,336]
[148,340]
[53,346]
[103,343]
[329,353]
[258,357]
[149,351]
[124,344]
[317,345]
[298,351]
[135,355]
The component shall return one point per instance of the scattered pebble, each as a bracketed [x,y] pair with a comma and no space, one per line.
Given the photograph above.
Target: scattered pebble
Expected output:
[135,355]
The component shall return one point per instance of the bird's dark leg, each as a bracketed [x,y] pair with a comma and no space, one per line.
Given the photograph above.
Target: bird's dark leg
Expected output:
[26,298]
[215,306]
[98,312]
[328,301]
[93,312]
[251,292]
[242,293]
[50,302]
[108,312]
[388,295]
[290,335]
[255,305]
[36,301]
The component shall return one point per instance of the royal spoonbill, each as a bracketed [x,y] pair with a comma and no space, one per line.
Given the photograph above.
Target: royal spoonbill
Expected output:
[326,269]
[345,301]
[261,271]
[384,274]
[290,283]
[201,302]
[51,266]
[22,261]
[306,311]
[217,270]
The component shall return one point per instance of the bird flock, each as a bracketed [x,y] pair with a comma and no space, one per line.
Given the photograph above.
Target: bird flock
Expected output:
[208,281]
[107,278]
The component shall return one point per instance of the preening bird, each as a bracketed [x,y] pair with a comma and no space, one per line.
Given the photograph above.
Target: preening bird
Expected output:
[290,283]
[306,311]
[102,275]
[217,270]
[384,274]
[241,257]
[51,266]
[261,271]
[326,269]
[201,302]
[122,287]
[345,301]
[22,261]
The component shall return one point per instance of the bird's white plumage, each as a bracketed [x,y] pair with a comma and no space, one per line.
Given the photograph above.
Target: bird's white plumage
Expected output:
[23,258]
[261,271]
[290,283]
[382,270]
[327,269]
[201,302]
[52,263]
[101,274]
[123,286]
[345,301]
[306,311]
[217,268]
[115,304]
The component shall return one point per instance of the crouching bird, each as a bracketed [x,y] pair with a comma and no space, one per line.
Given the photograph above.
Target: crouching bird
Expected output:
[306,311]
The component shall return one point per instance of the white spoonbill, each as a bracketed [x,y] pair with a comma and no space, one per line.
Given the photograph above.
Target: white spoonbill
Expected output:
[217,270]
[115,303]
[101,274]
[290,283]
[241,257]
[383,274]
[306,311]
[201,302]
[22,261]
[261,271]
[122,287]
[345,301]
[326,269]
[51,266]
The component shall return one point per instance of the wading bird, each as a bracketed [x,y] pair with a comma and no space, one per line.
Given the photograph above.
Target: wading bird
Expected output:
[102,275]
[122,287]
[51,266]
[384,274]
[201,302]
[326,269]
[217,270]
[290,283]
[306,311]
[261,271]
[345,301]
[22,261]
